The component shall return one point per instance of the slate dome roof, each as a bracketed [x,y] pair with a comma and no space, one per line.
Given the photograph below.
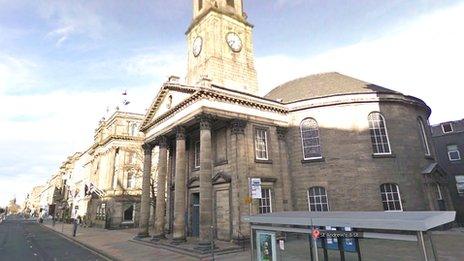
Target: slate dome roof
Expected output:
[320,85]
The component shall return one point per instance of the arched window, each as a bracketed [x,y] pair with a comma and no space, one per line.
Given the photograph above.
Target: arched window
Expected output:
[379,134]
[131,179]
[309,130]
[134,129]
[423,134]
[317,199]
[391,198]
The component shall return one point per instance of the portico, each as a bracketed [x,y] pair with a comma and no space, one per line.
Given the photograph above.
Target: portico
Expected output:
[202,165]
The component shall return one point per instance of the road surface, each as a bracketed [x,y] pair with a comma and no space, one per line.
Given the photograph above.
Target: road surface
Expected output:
[26,240]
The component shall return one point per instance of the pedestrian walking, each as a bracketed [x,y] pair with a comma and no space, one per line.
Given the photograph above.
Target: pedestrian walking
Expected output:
[75,224]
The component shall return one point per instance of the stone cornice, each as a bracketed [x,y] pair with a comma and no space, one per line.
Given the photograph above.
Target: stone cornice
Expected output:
[95,151]
[204,93]
[119,137]
[159,98]
[353,98]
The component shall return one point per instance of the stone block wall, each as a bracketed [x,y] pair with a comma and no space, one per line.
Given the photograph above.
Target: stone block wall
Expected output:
[349,172]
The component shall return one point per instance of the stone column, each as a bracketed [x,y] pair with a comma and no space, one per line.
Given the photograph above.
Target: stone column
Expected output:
[239,181]
[180,186]
[145,201]
[284,170]
[169,190]
[161,189]
[206,174]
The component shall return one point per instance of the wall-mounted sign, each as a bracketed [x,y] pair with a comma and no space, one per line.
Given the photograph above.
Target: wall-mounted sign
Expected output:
[255,187]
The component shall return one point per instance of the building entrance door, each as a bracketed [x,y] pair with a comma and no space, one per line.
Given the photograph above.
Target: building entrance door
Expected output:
[195,214]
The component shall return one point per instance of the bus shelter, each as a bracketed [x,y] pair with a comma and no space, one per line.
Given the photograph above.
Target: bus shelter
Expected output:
[304,235]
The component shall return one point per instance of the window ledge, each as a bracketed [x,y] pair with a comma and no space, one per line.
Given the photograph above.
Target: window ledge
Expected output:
[430,157]
[263,161]
[380,156]
[220,163]
[196,169]
[313,160]
[127,222]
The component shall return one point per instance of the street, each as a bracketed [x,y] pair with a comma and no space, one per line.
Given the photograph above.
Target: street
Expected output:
[26,240]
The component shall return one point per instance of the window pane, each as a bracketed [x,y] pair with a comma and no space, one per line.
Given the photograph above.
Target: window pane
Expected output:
[317,199]
[390,197]
[447,127]
[265,202]
[378,132]
[310,138]
[261,144]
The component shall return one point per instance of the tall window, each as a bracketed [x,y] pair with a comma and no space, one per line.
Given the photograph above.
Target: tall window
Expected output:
[131,179]
[460,184]
[379,135]
[453,153]
[261,144]
[265,203]
[134,129]
[197,154]
[231,3]
[391,198]
[439,194]
[423,134]
[200,4]
[309,130]
[317,198]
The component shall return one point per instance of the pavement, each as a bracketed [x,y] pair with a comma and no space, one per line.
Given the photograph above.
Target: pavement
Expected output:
[118,245]
[26,240]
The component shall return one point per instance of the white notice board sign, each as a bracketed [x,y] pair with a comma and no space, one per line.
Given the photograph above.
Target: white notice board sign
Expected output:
[255,186]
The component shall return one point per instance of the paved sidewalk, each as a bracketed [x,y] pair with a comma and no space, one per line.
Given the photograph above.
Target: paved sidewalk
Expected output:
[115,244]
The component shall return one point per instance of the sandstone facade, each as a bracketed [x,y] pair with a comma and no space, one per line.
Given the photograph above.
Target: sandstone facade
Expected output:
[368,145]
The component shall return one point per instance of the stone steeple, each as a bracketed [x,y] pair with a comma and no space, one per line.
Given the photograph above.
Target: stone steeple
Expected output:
[221,46]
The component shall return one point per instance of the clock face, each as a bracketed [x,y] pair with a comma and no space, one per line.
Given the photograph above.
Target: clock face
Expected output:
[197,45]
[234,42]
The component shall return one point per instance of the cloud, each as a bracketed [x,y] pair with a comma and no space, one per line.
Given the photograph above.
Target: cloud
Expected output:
[424,59]
[62,34]
[158,66]
[74,18]
[16,73]
[39,130]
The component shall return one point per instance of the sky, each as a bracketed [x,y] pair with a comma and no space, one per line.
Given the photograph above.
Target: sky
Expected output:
[64,64]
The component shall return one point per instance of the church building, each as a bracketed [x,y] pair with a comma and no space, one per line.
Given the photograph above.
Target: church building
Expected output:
[325,142]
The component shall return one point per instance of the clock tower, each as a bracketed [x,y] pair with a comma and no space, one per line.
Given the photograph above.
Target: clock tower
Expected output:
[221,46]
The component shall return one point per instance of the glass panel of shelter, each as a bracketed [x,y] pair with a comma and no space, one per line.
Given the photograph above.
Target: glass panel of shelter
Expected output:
[274,245]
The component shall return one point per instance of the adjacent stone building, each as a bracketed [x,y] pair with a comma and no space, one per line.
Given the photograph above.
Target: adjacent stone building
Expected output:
[115,171]
[448,138]
[32,202]
[326,142]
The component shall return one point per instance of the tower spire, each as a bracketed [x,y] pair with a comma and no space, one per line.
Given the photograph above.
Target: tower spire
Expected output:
[221,46]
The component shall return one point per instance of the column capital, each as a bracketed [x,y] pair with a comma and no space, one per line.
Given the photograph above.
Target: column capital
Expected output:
[147,148]
[206,121]
[237,126]
[180,132]
[281,132]
[162,141]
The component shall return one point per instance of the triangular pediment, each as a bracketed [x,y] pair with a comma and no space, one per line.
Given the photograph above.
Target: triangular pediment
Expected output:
[168,97]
